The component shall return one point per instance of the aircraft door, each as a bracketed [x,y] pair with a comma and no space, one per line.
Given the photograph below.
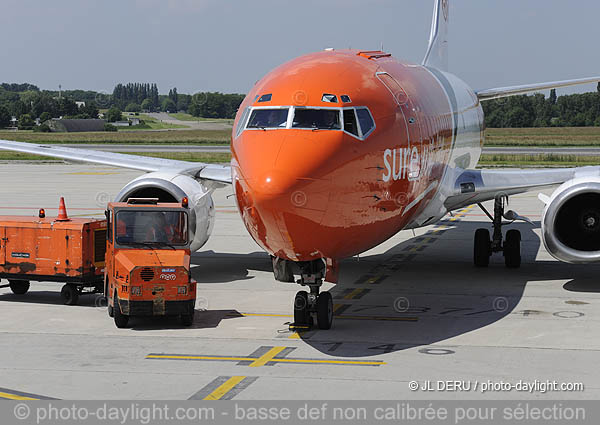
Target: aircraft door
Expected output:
[413,124]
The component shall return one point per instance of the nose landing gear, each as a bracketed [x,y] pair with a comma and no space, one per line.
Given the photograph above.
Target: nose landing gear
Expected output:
[313,303]
[484,247]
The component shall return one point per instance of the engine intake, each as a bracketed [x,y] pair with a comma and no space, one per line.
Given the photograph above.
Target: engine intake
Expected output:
[571,222]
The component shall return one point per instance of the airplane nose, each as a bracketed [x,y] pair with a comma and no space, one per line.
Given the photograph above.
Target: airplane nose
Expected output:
[284,197]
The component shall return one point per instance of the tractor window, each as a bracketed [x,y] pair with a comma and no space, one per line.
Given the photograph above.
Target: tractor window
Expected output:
[151,228]
[322,119]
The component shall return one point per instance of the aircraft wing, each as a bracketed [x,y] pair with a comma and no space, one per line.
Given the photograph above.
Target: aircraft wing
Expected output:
[472,186]
[499,92]
[202,171]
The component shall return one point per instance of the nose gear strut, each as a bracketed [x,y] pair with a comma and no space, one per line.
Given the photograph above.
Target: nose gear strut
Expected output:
[484,247]
[307,305]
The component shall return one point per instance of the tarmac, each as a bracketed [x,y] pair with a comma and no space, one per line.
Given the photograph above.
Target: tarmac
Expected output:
[413,309]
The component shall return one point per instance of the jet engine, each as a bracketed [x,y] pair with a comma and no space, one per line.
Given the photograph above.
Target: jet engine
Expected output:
[173,187]
[571,221]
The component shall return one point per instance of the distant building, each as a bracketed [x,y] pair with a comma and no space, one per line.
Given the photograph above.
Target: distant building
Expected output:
[80,104]
[121,123]
[75,125]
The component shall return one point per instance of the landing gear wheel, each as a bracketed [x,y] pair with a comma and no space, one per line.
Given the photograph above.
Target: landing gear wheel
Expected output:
[482,248]
[69,294]
[301,310]
[121,319]
[512,249]
[324,310]
[187,319]
[19,287]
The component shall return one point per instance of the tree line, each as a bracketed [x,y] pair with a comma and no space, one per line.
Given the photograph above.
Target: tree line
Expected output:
[27,102]
[574,110]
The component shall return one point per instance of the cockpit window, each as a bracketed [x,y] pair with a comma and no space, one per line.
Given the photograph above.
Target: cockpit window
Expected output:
[350,122]
[330,98]
[242,122]
[268,118]
[325,119]
[345,98]
[366,121]
[265,98]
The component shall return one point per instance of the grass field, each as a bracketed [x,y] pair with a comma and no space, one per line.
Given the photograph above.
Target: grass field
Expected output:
[212,157]
[537,160]
[543,137]
[187,117]
[180,137]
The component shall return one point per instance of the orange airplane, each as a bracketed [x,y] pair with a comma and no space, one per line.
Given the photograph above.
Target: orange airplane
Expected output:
[337,151]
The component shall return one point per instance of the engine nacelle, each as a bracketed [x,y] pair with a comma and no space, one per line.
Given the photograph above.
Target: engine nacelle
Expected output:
[571,221]
[173,187]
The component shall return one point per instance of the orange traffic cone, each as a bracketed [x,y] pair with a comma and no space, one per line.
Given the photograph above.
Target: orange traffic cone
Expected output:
[62,211]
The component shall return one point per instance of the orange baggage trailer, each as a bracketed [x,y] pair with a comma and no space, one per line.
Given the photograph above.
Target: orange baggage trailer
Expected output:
[53,249]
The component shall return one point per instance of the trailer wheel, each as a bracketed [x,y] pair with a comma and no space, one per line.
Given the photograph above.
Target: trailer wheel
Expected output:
[19,287]
[121,319]
[69,294]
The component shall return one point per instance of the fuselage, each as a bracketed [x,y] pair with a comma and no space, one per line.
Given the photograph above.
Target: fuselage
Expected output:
[335,152]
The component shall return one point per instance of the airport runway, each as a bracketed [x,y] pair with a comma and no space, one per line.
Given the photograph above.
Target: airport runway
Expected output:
[579,151]
[411,309]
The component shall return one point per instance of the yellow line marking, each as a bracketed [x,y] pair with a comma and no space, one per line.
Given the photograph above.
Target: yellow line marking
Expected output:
[236,359]
[353,294]
[336,307]
[267,357]
[295,335]
[223,389]
[15,397]
[329,361]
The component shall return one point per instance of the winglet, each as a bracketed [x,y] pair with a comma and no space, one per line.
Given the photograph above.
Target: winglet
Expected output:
[437,52]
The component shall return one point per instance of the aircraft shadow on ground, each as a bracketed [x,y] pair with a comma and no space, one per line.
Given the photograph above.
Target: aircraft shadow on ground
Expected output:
[204,319]
[209,267]
[435,296]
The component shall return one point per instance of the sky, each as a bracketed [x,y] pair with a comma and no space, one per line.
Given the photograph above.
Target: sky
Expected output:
[228,45]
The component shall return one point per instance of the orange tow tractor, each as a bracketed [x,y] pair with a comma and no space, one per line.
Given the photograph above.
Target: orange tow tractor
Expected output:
[53,249]
[148,261]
